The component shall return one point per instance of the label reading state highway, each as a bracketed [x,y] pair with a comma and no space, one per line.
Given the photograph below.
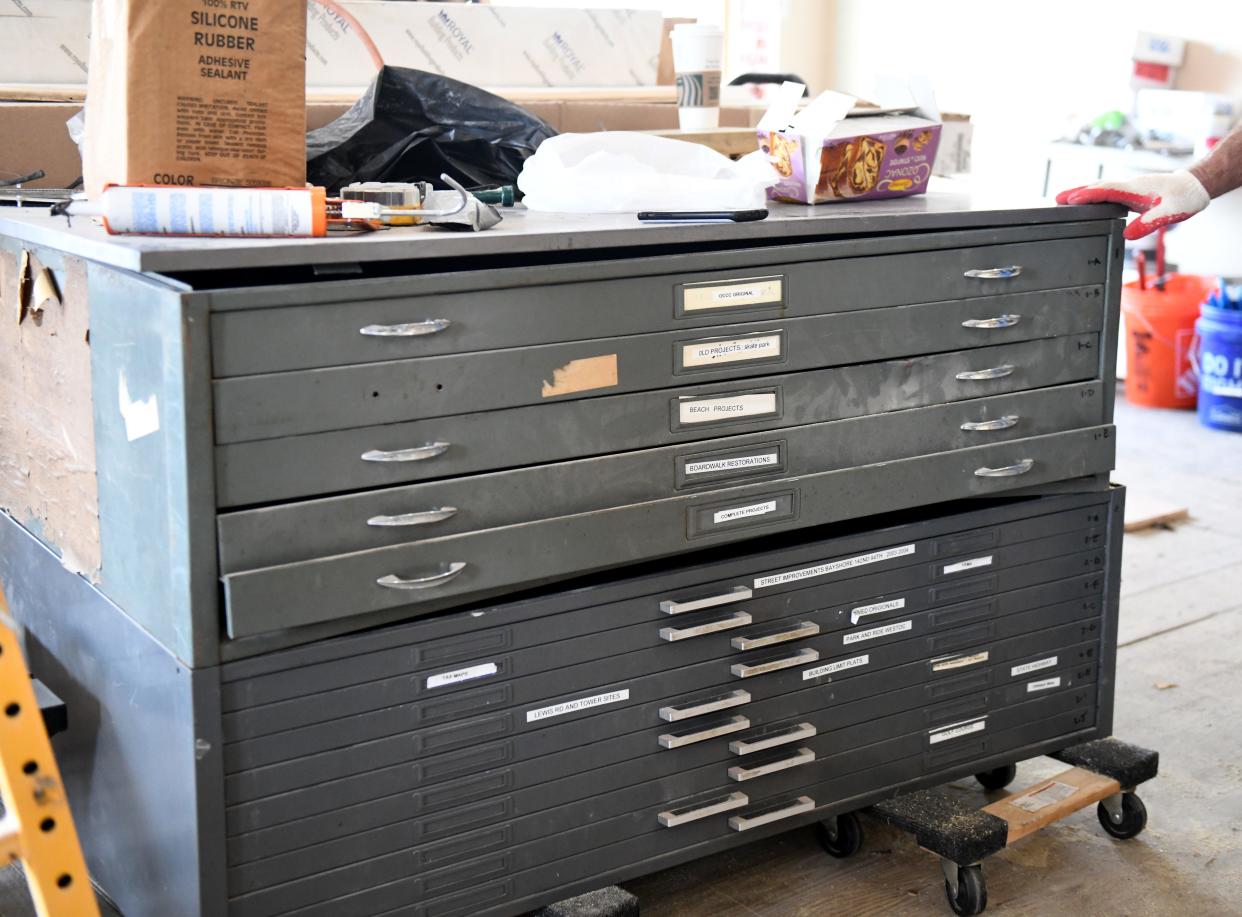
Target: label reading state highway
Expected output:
[863,611]
[732,294]
[957,730]
[451,678]
[735,407]
[743,512]
[1032,666]
[1043,684]
[945,663]
[736,350]
[884,630]
[833,566]
[733,464]
[972,564]
[838,666]
[573,706]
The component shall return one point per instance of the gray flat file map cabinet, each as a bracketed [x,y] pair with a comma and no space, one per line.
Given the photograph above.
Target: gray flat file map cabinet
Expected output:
[423,573]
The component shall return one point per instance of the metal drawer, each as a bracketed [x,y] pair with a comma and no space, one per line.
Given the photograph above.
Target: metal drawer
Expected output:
[276,405]
[447,569]
[337,525]
[268,470]
[508,314]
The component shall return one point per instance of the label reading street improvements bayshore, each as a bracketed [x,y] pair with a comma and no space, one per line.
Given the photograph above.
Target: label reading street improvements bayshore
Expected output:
[839,666]
[736,350]
[573,706]
[451,678]
[734,407]
[833,566]
[732,294]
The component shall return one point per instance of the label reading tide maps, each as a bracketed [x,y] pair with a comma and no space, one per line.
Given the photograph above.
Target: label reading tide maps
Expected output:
[833,566]
[459,675]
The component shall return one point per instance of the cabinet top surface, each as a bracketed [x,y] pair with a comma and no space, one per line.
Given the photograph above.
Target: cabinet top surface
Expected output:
[528,232]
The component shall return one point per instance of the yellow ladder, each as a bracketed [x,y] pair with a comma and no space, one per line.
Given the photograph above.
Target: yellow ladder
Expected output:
[37,827]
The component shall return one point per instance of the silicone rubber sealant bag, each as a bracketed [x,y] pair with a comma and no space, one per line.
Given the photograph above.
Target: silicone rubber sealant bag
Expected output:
[411,126]
[620,171]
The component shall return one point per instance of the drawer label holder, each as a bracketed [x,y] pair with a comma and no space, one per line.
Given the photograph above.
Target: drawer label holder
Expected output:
[957,730]
[740,294]
[581,703]
[441,679]
[726,408]
[739,463]
[709,352]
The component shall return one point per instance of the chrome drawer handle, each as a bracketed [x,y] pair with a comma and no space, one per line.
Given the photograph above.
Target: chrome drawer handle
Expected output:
[1000,321]
[995,372]
[406,329]
[750,670]
[678,739]
[413,454]
[1007,471]
[711,705]
[994,273]
[757,641]
[674,817]
[797,759]
[673,634]
[769,815]
[736,594]
[425,517]
[447,572]
[773,739]
[983,426]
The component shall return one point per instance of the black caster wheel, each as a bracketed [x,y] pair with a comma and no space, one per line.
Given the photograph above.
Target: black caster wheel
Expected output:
[842,836]
[998,777]
[1133,818]
[972,893]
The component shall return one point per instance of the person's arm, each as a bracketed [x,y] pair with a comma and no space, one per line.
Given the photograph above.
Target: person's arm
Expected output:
[1162,199]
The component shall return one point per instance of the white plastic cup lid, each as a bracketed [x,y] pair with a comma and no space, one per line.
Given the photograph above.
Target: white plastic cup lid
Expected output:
[697,29]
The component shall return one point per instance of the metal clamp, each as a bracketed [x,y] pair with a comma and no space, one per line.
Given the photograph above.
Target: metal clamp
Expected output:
[784,635]
[674,817]
[709,705]
[736,594]
[673,634]
[774,813]
[983,426]
[1007,471]
[1000,321]
[447,572]
[797,759]
[785,736]
[994,372]
[678,739]
[994,273]
[412,454]
[750,670]
[406,329]
[424,517]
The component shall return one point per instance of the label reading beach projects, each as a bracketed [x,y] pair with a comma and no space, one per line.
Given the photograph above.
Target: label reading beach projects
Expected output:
[735,350]
[581,703]
[734,407]
[733,294]
[833,566]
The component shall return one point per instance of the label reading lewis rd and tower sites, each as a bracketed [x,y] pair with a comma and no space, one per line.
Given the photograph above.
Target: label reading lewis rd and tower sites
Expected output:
[734,407]
[736,350]
[1035,666]
[581,703]
[863,611]
[737,463]
[733,294]
[1044,684]
[884,630]
[833,566]
[956,731]
[832,667]
[972,564]
[452,678]
[743,512]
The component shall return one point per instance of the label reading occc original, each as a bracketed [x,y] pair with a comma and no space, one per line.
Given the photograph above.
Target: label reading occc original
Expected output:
[732,294]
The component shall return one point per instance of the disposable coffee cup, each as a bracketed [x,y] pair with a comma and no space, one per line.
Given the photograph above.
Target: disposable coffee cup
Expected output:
[698,49]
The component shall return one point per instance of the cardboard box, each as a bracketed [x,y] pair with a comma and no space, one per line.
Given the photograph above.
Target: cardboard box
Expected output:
[206,93]
[1156,60]
[953,152]
[33,136]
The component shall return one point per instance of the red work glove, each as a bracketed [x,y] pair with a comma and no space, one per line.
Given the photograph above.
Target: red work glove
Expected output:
[1162,199]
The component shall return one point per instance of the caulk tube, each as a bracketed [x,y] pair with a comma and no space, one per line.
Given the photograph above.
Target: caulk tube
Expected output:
[146,210]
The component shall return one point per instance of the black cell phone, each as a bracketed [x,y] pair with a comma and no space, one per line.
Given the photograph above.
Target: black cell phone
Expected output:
[702,216]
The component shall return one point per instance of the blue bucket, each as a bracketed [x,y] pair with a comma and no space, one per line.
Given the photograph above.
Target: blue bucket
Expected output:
[1220,367]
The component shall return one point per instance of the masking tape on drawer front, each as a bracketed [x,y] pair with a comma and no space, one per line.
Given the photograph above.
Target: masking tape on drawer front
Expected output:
[582,376]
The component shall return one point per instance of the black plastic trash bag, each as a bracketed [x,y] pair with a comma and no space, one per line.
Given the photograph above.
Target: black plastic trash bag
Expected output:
[411,126]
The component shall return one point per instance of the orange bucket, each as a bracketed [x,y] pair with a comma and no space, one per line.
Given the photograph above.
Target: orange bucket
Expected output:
[1160,333]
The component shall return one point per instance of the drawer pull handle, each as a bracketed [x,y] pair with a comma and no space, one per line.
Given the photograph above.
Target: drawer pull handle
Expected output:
[995,372]
[736,594]
[406,329]
[673,634]
[711,705]
[1006,471]
[797,759]
[1000,321]
[983,426]
[447,572]
[774,813]
[750,670]
[678,739]
[757,641]
[994,273]
[425,517]
[674,817]
[773,739]
[413,454]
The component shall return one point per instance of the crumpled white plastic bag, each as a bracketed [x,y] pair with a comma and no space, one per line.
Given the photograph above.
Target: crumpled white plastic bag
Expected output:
[624,172]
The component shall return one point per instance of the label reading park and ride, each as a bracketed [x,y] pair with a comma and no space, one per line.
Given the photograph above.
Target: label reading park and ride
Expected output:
[884,630]
[1043,684]
[862,611]
[956,731]
[972,564]
[833,566]
[737,463]
[947,663]
[732,294]
[735,350]
[732,407]
[744,512]
[441,679]
[581,703]
[1035,666]
[832,667]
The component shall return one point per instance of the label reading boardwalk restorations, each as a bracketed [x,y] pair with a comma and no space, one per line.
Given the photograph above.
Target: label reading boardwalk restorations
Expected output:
[733,294]
[884,630]
[956,731]
[839,666]
[1032,666]
[743,512]
[973,563]
[833,566]
[1043,684]
[734,407]
[451,678]
[863,611]
[573,706]
[735,350]
[737,463]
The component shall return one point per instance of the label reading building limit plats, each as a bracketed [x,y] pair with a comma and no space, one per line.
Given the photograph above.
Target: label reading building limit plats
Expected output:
[832,667]
[581,703]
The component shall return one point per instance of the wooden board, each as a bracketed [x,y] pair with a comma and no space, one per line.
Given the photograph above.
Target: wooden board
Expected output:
[1145,512]
[1050,800]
